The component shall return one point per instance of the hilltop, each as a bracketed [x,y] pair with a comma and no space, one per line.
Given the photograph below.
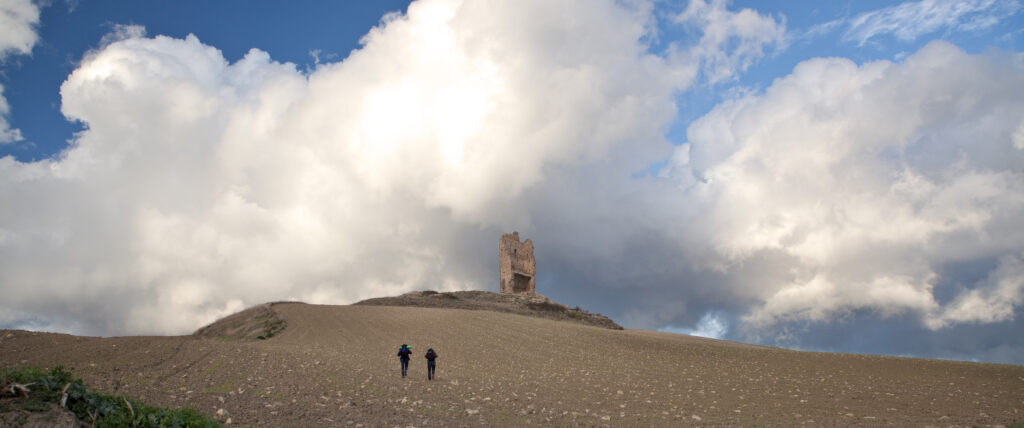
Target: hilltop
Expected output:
[530,304]
[336,366]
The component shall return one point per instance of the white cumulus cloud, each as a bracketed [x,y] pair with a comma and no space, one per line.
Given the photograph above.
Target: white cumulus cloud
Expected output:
[869,181]
[7,134]
[201,186]
[18,20]
[730,42]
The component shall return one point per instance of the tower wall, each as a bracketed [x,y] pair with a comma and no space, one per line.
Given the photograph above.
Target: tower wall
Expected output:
[518,266]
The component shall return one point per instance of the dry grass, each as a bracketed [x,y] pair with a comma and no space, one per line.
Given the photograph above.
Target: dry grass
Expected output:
[532,304]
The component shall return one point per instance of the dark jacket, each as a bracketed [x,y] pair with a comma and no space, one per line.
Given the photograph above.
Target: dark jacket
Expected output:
[404,353]
[431,355]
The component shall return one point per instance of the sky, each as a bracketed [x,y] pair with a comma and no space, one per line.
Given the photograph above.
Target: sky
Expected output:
[841,176]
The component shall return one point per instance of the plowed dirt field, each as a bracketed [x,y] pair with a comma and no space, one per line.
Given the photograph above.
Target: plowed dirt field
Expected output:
[336,366]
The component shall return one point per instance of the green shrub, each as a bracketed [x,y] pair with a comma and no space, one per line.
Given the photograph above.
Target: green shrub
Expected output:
[95,408]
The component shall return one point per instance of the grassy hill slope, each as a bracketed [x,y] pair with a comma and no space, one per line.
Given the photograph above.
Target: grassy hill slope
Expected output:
[532,304]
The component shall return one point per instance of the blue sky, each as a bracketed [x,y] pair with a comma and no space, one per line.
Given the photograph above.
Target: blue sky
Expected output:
[289,32]
[840,176]
[294,32]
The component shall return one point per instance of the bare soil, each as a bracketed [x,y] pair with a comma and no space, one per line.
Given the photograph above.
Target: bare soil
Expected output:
[336,366]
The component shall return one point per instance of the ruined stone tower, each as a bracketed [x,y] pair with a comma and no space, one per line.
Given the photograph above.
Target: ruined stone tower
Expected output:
[518,267]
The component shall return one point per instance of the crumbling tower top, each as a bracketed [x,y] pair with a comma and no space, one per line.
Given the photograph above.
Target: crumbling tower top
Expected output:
[518,267]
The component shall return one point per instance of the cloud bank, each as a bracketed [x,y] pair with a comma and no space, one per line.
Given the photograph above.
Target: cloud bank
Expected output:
[840,193]
[201,187]
[868,185]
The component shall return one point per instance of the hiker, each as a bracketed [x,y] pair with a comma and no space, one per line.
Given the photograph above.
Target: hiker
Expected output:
[403,354]
[431,364]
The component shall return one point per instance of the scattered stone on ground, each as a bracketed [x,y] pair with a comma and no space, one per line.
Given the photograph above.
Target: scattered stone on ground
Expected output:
[336,365]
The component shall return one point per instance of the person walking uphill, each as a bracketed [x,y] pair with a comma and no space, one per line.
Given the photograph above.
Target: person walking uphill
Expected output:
[403,354]
[431,364]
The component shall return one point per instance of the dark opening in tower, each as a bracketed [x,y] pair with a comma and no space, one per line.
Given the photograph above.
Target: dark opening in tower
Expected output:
[520,283]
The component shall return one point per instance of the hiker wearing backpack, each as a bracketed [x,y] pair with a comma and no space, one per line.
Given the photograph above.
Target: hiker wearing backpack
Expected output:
[431,364]
[403,355]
